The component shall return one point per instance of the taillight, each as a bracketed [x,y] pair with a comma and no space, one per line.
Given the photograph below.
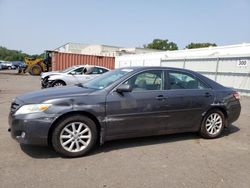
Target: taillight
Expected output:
[236,95]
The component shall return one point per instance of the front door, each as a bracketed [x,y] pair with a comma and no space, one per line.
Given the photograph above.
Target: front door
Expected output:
[142,111]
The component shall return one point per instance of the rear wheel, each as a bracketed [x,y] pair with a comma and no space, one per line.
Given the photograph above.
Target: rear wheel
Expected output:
[74,136]
[212,124]
[35,70]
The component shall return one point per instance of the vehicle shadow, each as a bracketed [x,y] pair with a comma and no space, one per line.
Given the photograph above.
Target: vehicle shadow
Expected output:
[48,152]
[230,130]
[12,72]
[39,152]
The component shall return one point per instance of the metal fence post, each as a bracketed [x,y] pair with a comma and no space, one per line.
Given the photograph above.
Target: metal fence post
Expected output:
[217,68]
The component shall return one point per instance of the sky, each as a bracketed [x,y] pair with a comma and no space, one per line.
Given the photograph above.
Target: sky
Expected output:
[33,26]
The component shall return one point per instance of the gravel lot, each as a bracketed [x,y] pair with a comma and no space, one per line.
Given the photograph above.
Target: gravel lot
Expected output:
[182,160]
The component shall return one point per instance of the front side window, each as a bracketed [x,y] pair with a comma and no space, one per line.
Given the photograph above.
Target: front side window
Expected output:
[148,80]
[67,69]
[77,71]
[180,80]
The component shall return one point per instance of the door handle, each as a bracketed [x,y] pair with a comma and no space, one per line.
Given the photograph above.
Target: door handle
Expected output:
[207,94]
[160,97]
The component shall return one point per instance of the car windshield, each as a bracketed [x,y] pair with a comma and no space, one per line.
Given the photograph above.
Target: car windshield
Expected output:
[106,79]
[68,69]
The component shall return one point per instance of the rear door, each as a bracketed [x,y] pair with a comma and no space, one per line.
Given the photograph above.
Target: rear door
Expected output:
[188,97]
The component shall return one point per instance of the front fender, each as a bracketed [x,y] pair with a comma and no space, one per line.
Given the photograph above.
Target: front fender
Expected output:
[64,107]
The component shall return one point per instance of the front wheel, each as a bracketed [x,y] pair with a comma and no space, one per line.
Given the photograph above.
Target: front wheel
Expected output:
[74,136]
[212,124]
[58,83]
[35,70]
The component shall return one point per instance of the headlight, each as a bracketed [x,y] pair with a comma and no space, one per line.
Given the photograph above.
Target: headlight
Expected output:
[32,108]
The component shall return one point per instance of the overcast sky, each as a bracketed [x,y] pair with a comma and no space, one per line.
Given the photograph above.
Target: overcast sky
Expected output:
[36,25]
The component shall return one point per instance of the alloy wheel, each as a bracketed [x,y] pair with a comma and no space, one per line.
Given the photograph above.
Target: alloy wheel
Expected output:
[58,84]
[214,123]
[75,137]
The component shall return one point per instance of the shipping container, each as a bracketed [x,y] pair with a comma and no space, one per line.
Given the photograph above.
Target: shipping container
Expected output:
[61,60]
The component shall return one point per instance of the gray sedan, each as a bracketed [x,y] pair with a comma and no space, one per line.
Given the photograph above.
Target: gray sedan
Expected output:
[126,102]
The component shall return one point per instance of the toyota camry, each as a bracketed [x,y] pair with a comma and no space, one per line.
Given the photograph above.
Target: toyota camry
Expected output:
[123,103]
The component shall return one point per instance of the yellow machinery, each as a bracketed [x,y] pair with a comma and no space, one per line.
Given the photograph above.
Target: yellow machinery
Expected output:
[35,66]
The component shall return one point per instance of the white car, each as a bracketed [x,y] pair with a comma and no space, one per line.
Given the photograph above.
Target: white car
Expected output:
[78,74]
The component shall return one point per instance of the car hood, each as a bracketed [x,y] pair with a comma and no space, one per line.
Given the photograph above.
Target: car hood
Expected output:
[44,74]
[40,96]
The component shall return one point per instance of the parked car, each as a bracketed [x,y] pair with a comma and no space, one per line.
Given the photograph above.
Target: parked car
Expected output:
[7,65]
[0,65]
[71,76]
[19,64]
[126,102]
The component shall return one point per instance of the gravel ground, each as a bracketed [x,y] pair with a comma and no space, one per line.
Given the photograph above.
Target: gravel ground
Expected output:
[181,160]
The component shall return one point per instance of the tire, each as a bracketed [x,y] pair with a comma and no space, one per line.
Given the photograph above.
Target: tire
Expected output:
[75,146]
[35,70]
[58,83]
[213,124]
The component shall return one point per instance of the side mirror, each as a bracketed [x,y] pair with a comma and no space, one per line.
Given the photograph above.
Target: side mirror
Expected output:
[124,88]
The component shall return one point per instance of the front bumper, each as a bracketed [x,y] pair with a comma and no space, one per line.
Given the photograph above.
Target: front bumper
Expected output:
[46,83]
[30,129]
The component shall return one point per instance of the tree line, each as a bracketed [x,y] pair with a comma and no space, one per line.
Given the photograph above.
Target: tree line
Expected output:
[14,55]
[158,44]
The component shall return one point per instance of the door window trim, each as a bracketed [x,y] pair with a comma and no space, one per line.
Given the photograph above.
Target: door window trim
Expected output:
[139,72]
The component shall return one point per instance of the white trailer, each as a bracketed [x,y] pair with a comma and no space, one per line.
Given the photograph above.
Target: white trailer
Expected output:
[228,65]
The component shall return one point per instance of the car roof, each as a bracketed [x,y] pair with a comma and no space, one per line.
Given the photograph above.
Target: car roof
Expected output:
[138,68]
[89,66]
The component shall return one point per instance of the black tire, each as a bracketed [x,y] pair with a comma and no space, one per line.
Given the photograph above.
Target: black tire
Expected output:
[56,143]
[204,130]
[58,83]
[35,70]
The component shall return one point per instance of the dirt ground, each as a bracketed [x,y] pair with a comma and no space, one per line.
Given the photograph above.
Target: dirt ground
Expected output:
[182,160]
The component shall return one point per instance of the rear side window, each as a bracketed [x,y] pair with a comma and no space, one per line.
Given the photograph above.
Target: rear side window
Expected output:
[181,80]
[101,70]
[96,70]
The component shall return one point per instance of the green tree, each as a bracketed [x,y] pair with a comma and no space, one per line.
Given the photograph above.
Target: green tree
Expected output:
[14,55]
[11,55]
[200,45]
[160,44]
